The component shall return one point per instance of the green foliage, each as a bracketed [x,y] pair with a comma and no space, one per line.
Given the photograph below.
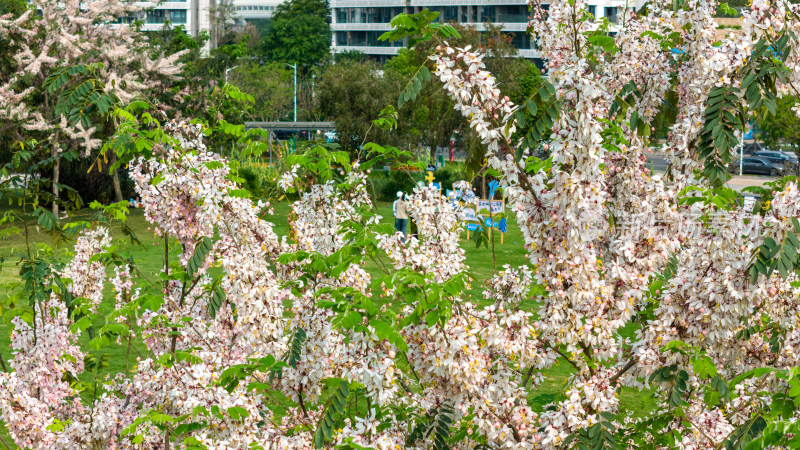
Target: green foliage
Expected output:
[232,376]
[201,251]
[333,411]
[81,96]
[300,33]
[417,27]
[448,175]
[772,255]
[218,298]
[781,128]
[677,382]
[542,109]
[352,95]
[387,184]
[721,198]
[723,119]
[13,7]
[436,423]
[261,181]
[271,86]
[625,103]
[600,435]
[414,86]
[725,113]
[296,348]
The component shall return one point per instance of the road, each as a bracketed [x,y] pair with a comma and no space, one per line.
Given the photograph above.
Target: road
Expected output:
[659,164]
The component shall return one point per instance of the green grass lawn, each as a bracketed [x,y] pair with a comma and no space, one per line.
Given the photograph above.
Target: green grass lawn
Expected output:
[149,258]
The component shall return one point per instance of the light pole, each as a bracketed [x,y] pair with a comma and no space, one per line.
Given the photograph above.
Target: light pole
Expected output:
[294,66]
[741,153]
[226,73]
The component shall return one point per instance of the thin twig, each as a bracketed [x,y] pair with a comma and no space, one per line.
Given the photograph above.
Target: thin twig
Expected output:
[622,371]
[563,356]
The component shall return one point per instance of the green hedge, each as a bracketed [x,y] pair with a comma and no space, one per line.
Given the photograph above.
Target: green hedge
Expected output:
[260,181]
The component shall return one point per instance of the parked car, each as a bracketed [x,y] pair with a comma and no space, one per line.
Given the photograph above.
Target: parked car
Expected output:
[759,166]
[751,148]
[788,160]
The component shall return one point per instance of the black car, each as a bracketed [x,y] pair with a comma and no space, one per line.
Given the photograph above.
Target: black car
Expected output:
[790,161]
[760,166]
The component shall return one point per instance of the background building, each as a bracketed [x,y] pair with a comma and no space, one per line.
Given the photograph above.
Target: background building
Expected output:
[357,24]
[247,10]
[193,15]
[197,16]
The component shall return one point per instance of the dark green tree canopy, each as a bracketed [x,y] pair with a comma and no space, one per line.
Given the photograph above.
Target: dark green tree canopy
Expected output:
[15,7]
[300,33]
[352,94]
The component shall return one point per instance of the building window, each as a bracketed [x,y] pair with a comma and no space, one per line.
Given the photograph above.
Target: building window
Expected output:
[156,16]
[488,14]
[593,10]
[177,16]
[512,14]
[611,13]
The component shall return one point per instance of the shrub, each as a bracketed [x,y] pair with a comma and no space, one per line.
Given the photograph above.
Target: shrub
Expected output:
[261,181]
[386,185]
[448,175]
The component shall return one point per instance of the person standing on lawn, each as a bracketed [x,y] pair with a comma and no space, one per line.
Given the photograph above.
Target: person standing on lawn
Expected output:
[400,214]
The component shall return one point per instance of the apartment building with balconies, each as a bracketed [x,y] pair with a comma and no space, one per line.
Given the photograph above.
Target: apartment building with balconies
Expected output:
[247,10]
[194,15]
[357,24]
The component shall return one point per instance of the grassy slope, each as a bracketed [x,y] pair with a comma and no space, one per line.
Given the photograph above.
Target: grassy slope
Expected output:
[150,258]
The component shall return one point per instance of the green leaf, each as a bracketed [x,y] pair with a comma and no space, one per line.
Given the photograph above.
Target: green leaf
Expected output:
[431,318]
[296,348]
[544,94]
[754,373]
[238,413]
[606,42]
[704,367]
[634,120]
[426,74]
[531,107]
[333,410]
[201,251]
[385,331]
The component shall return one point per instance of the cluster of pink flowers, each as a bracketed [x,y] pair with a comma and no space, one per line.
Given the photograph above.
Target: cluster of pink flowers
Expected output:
[239,296]
[50,34]
[596,272]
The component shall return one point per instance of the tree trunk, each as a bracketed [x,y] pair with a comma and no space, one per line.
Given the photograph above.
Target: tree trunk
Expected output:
[115,180]
[117,188]
[56,174]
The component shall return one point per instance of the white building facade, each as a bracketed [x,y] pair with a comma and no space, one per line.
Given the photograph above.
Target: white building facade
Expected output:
[247,10]
[357,24]
[194,15]
[191,14]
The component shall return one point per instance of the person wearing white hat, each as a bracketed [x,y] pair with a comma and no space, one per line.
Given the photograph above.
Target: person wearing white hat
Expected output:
[400,214]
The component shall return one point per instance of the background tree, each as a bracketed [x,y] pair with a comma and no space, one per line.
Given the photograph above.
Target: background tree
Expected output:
[8,49]
[352,94]
[13,7]
[782,128]
[51,36]
[221,14]
[271,87]
[431,120]
[300,33]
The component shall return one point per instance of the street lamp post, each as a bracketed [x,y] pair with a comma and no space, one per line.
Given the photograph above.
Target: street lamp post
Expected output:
[294,66]
[741,148]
